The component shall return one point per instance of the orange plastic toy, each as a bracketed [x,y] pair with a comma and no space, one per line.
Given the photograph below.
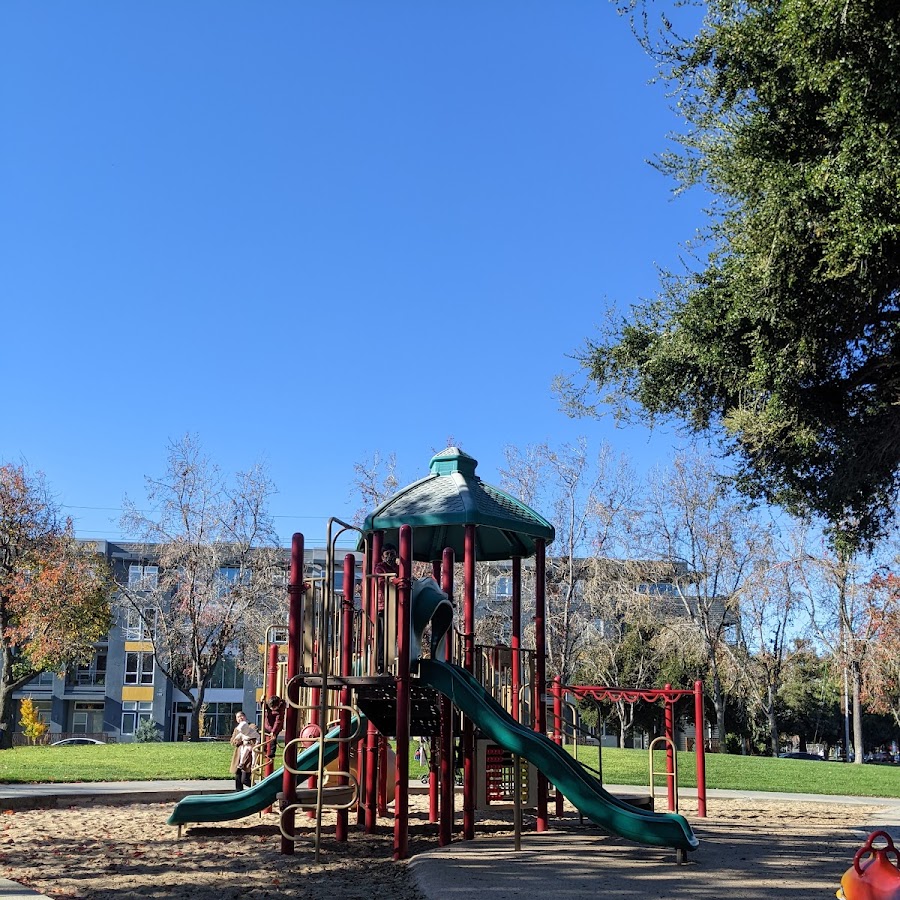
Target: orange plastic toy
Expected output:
[873,879]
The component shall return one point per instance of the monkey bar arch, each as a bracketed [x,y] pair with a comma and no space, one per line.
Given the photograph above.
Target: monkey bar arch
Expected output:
[669,696]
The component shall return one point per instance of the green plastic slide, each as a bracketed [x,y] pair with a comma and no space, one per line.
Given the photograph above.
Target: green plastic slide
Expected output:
[579,786]
[237,804]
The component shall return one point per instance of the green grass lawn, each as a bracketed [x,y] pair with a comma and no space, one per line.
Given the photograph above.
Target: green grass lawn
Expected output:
[123,762]
[116,762]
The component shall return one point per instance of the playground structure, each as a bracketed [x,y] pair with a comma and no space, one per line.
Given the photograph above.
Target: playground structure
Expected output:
[389,663]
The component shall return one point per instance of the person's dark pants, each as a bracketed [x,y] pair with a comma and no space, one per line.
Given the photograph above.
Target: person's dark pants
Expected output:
[241,780]
[273,746]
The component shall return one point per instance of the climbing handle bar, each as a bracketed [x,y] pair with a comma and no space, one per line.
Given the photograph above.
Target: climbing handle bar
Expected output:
[868,850]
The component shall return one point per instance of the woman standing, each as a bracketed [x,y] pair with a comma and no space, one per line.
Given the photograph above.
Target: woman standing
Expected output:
[244,739]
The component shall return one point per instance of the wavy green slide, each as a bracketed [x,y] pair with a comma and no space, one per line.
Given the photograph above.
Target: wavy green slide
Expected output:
[578,785]
[237,804]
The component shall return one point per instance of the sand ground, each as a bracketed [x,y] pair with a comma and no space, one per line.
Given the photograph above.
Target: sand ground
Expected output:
[127,851]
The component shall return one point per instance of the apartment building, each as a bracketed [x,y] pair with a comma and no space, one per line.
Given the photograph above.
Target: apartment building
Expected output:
[121,685]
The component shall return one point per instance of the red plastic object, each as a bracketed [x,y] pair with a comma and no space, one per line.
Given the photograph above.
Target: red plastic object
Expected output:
[309,734]
[876,878]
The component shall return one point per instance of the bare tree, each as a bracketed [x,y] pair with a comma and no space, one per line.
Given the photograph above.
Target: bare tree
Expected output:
[588,498]
[694,518]
[621,649]
[845,600]
[375,479]
[770,601]
[220,569]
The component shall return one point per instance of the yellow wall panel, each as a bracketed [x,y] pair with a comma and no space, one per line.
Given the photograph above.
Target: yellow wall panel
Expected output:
[142,693]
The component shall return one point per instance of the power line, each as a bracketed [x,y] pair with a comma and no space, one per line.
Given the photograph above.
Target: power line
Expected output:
[120,509]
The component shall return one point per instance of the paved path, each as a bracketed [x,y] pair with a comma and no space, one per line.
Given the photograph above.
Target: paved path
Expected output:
[573,862]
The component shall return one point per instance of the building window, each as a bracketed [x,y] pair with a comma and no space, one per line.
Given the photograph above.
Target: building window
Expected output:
[280,578]
[226,674]
[143,578]
[139,668]
[659,589]
[232,575]
[91,675]
[44,680]
[503,587]
[219,718]
[136,629]
[134,712]
[87,718]
[278,635]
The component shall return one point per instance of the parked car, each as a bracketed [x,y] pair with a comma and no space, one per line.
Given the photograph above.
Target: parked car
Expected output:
[71,742]
[796,754]
[879,756]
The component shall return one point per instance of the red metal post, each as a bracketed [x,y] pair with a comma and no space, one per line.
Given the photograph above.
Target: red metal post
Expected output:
[365,643]
[361,779]
[371,756]
[558,733]
[341,826]
[295,637]
[445,829]
[383,774]
[434,743]
[515,640]
[699,729]
[377,585]
[540,670]
[271,691]
[401,788]
[670,748]
[371,800]
[469,659]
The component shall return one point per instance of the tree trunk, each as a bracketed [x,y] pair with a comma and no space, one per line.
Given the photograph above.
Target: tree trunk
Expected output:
[719,703]
[774,734]
[6,715]
[858,748]
[196,706]
[8,685]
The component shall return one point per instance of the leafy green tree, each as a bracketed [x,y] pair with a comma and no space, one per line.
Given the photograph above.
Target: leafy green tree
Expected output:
[54,591]
[810,697]
[783,339]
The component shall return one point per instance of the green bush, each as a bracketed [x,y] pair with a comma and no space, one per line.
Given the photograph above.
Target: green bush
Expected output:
[147,732]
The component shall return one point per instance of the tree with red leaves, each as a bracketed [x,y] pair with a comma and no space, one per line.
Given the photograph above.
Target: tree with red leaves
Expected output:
[881,672]
[54,591]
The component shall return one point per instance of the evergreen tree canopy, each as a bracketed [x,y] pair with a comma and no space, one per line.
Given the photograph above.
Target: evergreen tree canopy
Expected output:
[784,340]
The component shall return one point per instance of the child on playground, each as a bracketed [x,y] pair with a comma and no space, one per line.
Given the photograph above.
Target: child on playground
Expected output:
[273,721]
[384,568]
[244,739]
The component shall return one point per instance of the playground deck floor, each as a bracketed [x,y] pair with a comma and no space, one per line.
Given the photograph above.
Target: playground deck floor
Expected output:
[753,846]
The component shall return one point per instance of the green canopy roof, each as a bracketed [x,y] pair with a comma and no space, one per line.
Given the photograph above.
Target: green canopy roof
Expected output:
[439,507]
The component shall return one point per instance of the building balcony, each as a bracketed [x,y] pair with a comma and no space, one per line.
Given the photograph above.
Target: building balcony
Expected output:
[85,680]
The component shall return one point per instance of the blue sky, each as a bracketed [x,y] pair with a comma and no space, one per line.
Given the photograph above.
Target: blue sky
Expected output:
[311,231]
